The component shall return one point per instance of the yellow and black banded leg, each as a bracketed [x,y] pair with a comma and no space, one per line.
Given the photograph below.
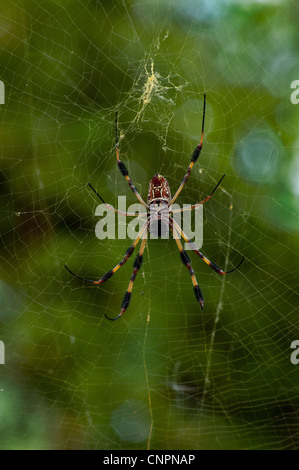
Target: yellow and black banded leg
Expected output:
[186,261]
[110,273]
[127,297]
[196,250]
[199,203]
[124,170]
[195,154]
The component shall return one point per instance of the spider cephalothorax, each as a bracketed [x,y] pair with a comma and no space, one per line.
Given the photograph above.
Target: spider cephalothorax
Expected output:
[158,221]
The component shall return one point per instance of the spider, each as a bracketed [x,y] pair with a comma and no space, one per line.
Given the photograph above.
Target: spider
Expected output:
[159,214]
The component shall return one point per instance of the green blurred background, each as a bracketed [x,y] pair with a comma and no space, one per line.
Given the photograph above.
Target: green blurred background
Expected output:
[166,375]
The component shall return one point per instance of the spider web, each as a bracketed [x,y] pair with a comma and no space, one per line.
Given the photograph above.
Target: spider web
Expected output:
[166,375]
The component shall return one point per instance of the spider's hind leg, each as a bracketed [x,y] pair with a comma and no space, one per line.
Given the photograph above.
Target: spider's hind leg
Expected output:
[200,254]
[110,273]
[186,261]
[137,265]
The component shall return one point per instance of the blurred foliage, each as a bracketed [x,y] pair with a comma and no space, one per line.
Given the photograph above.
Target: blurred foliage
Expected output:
[166,376]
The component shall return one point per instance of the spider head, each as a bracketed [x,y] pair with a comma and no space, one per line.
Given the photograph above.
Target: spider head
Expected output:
[158,190]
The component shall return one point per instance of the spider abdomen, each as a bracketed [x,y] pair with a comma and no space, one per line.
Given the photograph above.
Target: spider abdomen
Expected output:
[158,200]
[158,217]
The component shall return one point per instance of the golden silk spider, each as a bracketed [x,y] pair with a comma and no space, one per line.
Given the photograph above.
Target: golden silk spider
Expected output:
[158,203]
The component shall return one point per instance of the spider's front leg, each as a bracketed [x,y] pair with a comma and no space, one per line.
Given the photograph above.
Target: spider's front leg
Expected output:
[195,155]
[124,170]
[176,211]
[127,214]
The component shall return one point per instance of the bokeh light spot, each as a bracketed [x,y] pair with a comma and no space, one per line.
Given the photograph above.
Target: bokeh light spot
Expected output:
[258,157]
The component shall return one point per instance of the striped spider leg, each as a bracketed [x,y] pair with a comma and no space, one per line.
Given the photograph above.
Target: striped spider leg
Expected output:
[136,266]
[194,206]
[186,261]
[196,250]
[127,255]
[195,155]
[124,170]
